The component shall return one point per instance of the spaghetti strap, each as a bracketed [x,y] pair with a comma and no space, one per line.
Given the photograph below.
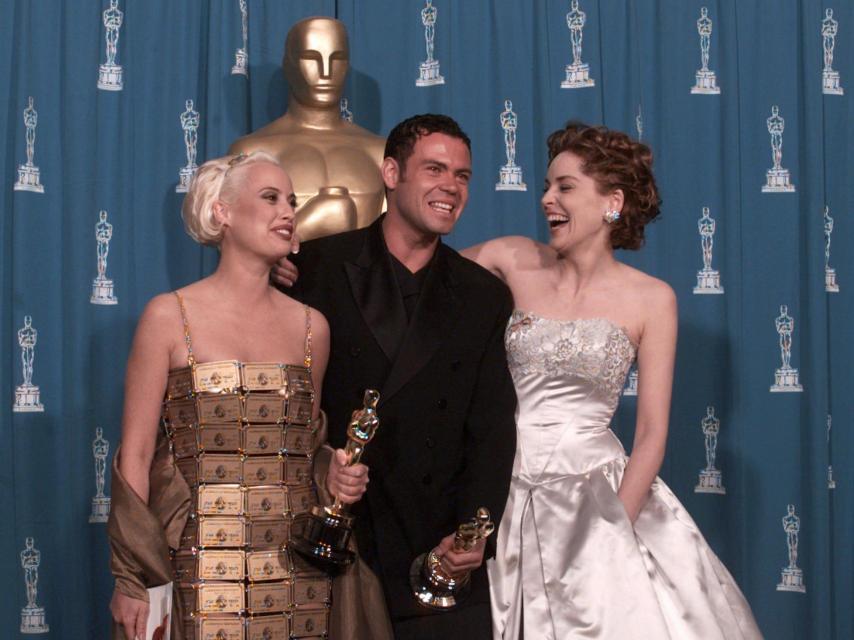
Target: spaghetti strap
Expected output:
[307,357]
[191,359]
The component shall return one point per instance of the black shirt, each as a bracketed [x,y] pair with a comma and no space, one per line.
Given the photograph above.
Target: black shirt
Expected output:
[410,284]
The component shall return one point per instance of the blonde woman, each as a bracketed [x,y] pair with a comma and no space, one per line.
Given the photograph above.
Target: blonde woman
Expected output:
[234,319]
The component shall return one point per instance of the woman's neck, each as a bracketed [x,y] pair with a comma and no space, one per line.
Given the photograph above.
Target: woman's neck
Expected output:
[241,279]
[585,266]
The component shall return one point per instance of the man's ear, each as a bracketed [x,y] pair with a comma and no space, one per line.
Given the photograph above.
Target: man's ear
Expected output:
[391,173]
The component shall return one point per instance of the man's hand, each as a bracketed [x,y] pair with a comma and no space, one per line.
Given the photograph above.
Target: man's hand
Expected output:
[131,613]
[348,484]
[456,563]
[284,273]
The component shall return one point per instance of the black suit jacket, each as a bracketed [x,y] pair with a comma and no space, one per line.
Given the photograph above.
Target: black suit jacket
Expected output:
[447,434]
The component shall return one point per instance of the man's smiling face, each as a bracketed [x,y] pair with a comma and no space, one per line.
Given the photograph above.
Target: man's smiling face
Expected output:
[430,193]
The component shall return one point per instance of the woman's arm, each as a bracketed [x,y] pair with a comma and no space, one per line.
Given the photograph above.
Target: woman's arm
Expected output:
[320,339]
[656,355]
[500,255]
[145,384]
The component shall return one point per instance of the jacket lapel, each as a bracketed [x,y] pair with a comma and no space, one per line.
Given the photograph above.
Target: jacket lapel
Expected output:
[376,292]
[434,316]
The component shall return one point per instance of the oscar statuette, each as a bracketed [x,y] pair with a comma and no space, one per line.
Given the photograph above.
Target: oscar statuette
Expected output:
[321,536]
[431,585]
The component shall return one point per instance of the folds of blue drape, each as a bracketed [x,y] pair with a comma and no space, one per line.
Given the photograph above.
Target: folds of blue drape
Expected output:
[121,152]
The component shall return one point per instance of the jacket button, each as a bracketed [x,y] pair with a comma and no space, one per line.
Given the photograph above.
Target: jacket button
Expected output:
[427,479]
[442,404]
[430,443]
[355,351]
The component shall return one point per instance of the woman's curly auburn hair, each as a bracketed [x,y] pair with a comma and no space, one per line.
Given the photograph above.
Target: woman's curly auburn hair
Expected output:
[614,161]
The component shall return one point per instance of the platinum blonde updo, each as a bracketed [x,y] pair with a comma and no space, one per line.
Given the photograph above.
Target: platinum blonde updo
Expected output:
[217,180]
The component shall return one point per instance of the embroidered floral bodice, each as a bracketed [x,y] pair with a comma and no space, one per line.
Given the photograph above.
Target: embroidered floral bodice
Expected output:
[591,349]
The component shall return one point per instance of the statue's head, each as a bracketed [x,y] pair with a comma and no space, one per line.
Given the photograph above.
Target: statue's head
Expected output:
[508,105]
[317,58]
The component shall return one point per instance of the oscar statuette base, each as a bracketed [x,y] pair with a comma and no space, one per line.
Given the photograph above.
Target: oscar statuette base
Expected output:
[710,482]
[830,83]
[100,510]
[27,399]
[110,77]
[428,74]
[33,620]
[510,179]
[185,176]
[240,59]
[786,381]
[706,83]
[708,283]
[792,579]
[433,588]
[577,77]
[321,537]
[777,181]
[102,292]
[29,179]
[830,284]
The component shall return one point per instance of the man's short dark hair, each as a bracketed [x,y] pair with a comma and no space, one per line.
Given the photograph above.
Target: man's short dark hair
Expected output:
[401,140]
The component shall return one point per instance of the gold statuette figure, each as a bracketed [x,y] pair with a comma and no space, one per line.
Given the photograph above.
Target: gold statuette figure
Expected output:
[431,585]
[322,535]
[334,164]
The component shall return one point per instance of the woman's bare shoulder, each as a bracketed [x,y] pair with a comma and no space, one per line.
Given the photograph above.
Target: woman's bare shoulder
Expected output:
[648,292]
[163,307]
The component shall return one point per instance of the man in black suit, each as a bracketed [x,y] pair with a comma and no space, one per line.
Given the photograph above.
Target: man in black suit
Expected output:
[413,319]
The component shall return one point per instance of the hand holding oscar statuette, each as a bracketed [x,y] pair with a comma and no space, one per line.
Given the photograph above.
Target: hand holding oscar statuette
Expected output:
[434,587]
[322,535]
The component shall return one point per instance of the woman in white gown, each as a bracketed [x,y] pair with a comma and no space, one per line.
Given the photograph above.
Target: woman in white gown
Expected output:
[592,543]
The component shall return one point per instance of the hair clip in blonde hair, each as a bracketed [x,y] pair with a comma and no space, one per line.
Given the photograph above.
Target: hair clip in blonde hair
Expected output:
[240,157]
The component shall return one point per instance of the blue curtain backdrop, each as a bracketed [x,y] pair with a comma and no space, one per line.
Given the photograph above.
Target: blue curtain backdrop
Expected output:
[120,152]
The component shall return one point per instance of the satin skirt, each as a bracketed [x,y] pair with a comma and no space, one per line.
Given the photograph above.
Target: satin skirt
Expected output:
[571,559]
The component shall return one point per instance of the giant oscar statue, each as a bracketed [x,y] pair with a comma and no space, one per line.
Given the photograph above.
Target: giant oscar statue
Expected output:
[334,164]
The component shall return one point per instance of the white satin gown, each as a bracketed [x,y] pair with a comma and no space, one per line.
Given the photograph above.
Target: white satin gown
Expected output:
[568,556]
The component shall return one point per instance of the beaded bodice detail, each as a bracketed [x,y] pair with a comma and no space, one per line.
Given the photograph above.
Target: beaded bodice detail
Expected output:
[593,350]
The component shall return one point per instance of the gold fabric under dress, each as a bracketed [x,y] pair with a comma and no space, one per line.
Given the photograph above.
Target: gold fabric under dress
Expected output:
[242,437]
